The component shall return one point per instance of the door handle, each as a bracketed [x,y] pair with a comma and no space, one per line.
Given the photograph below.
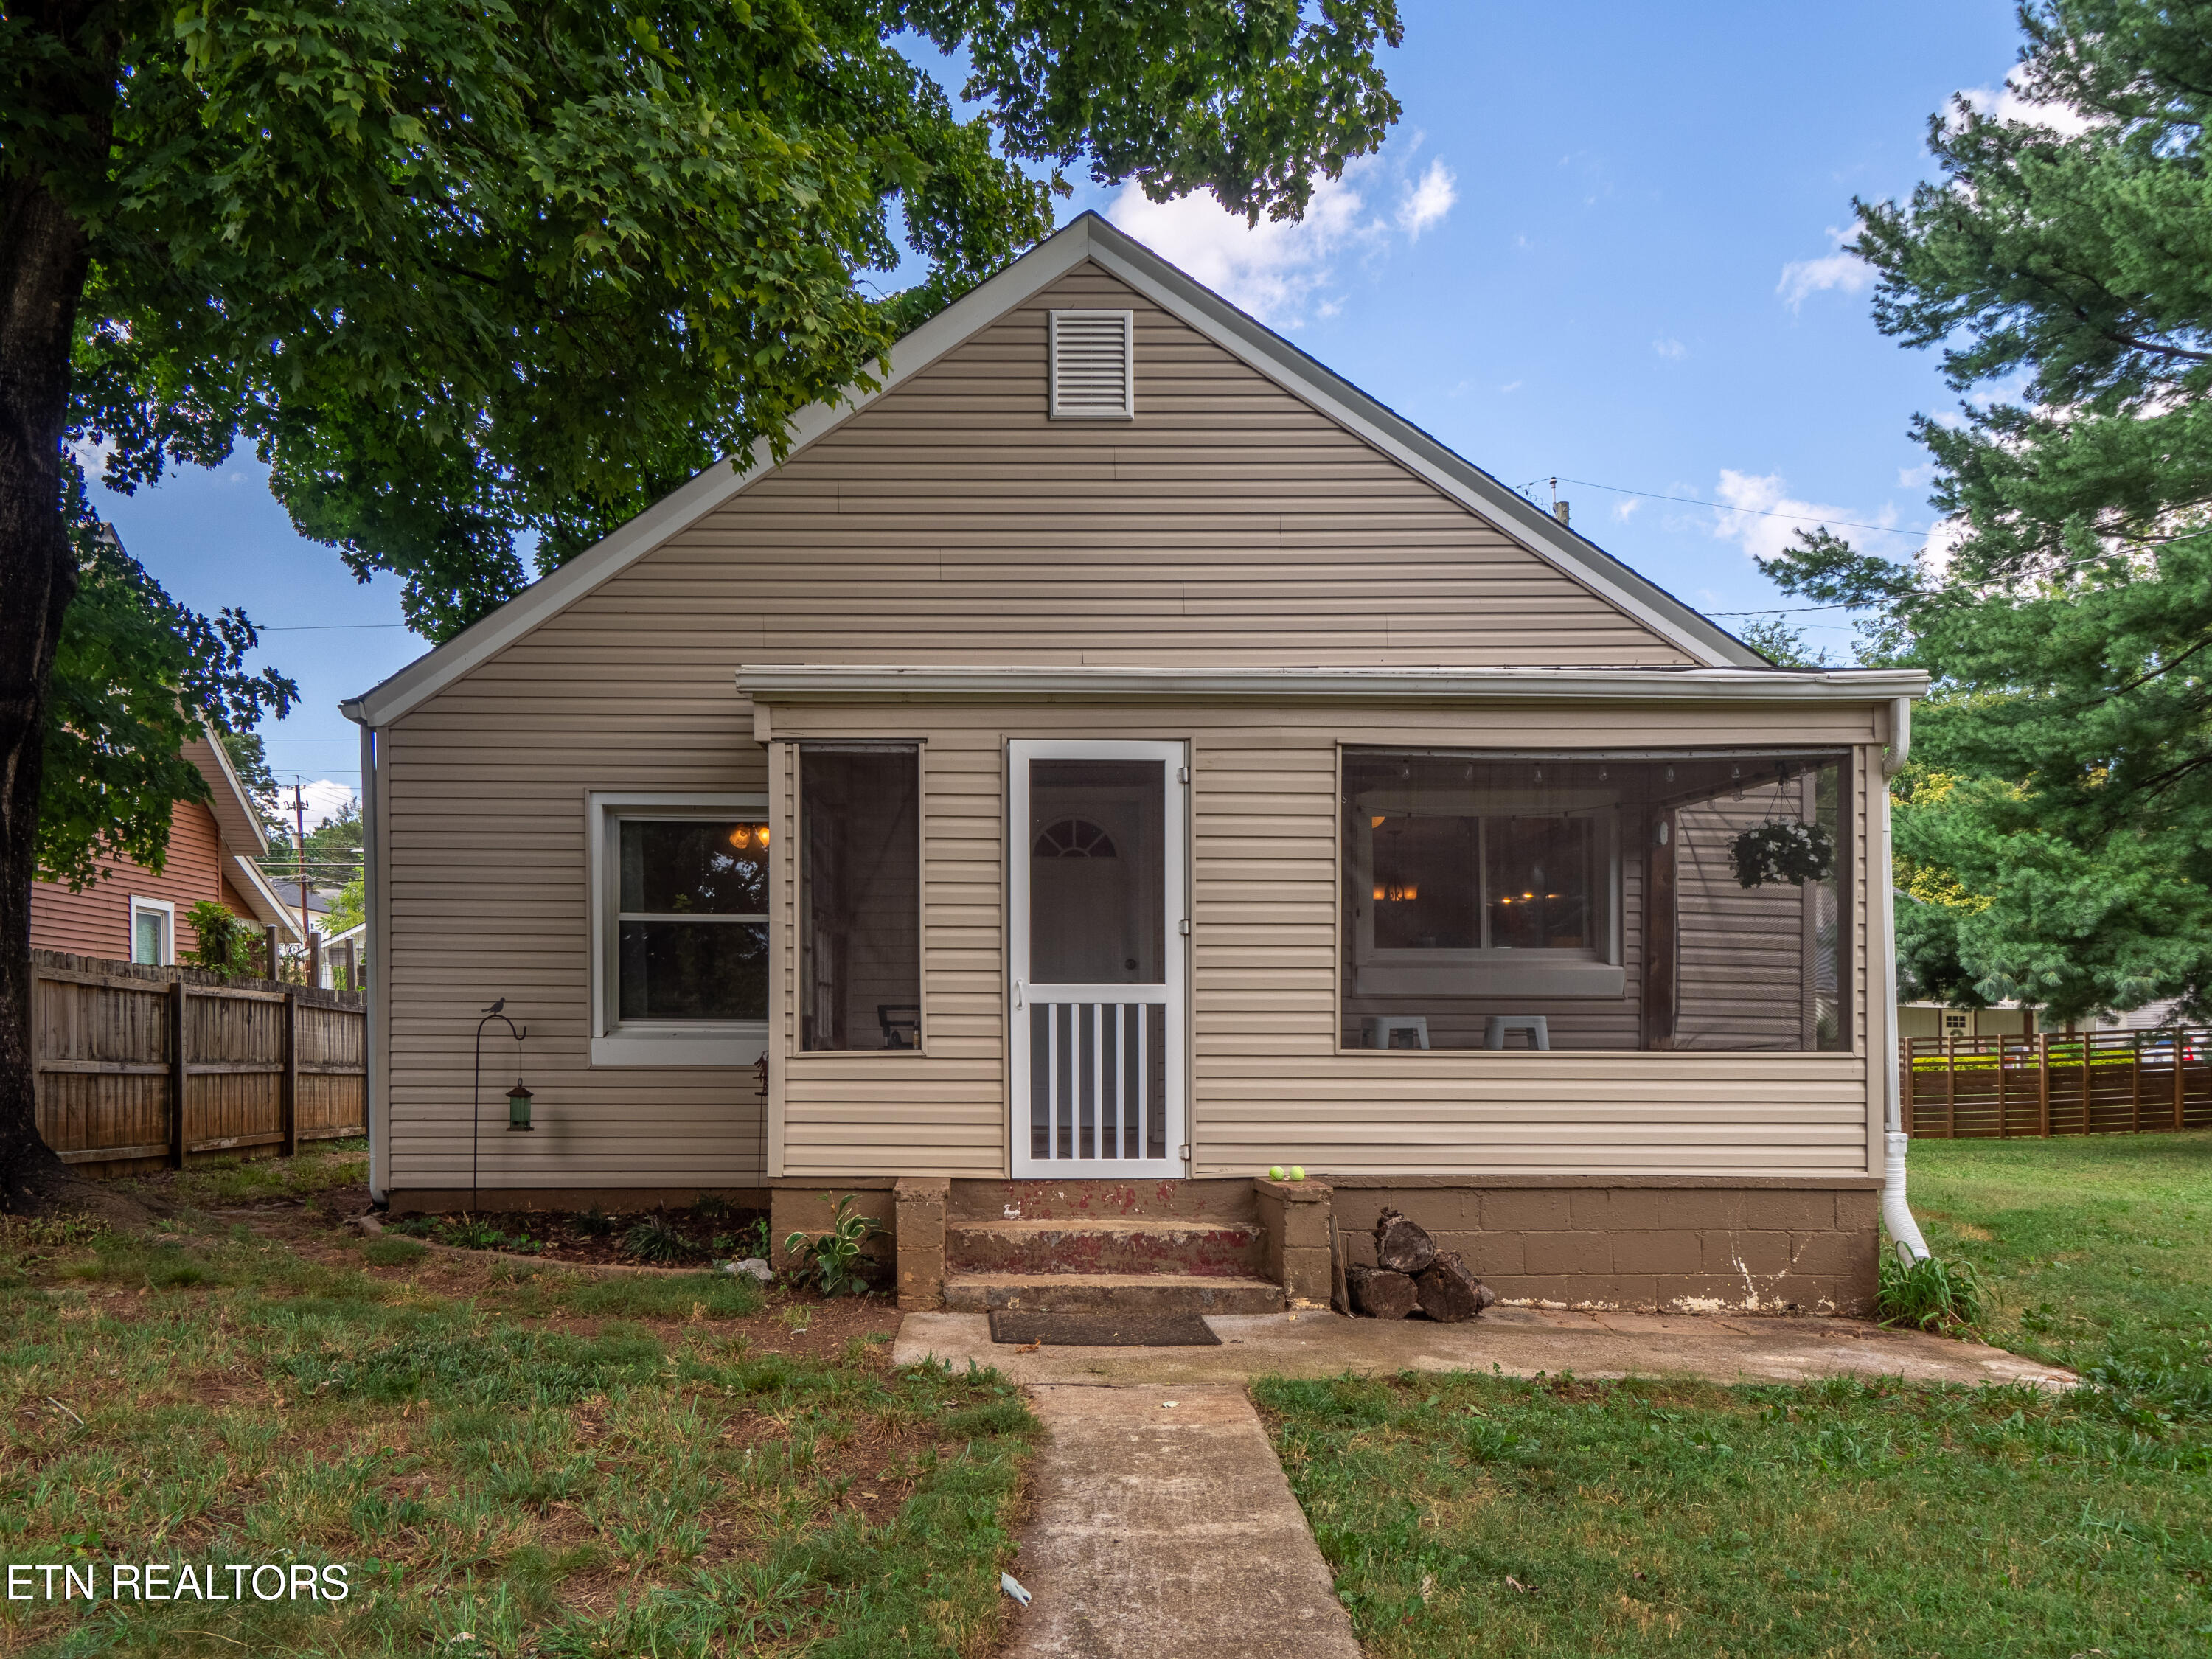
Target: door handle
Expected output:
[1018,996]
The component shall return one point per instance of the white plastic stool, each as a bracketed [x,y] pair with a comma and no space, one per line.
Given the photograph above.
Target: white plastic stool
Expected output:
[1539,1030]
[1378,1029]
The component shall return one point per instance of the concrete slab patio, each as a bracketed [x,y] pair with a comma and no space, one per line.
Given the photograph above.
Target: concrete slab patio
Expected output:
[1518,1341]
[1164,1530]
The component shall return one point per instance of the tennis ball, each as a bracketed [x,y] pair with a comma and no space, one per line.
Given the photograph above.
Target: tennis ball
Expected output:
[1274,1172]
[1297,1172]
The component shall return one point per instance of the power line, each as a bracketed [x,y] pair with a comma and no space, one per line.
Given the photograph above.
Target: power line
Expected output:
[1755,512]
[1785,609]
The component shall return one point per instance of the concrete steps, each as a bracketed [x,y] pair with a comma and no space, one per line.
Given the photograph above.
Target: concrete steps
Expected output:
[979,1291]
[1206,1247]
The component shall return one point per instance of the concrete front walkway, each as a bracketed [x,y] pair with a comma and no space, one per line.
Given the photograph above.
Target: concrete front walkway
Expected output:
[1518,1341]
[1164,1530]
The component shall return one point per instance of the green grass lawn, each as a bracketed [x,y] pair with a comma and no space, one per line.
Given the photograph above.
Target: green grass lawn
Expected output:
[1470,1515]
[508,1460]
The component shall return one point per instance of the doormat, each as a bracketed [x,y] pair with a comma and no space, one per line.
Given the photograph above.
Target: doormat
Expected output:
[1102,1329]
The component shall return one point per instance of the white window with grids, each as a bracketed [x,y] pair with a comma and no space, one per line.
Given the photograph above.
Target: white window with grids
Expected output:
[153,932]
[679,925]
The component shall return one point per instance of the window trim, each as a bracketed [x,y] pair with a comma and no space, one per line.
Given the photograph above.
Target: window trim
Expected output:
[165,909]
[918,748]
[616,1041]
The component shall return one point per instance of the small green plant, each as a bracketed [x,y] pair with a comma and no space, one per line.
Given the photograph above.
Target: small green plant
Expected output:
[1932,1294]
[595,1223]
[470,1232]
[836,1255]
[655,1239]
[712,1207]
[225,943]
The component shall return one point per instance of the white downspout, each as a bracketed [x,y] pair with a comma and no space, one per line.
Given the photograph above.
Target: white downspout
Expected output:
[1895,1214]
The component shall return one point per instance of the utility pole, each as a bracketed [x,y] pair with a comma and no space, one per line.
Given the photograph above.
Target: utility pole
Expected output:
[299,862]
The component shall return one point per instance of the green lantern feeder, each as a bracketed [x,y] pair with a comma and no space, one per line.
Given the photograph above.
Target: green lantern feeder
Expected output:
[517,1099]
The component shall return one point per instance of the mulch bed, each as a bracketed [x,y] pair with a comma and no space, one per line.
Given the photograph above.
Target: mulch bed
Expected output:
[688,1238]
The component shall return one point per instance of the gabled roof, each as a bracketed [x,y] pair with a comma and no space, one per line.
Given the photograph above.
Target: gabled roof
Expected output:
[244,839]
[262,899]
[1088,237]
[233,807]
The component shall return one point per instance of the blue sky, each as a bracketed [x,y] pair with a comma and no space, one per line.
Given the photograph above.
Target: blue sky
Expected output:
[1600,245]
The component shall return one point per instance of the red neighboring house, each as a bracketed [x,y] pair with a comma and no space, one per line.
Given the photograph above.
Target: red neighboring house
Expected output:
[133,915]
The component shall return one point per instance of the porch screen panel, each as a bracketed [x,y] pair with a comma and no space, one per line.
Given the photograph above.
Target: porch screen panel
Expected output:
[1658,899]
[859,874]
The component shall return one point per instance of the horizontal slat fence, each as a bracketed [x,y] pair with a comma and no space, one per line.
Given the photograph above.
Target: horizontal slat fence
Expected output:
[256,1066]
[2091,1083]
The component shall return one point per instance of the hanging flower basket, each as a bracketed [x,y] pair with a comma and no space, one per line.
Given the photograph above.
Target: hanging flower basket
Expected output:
[1783,850]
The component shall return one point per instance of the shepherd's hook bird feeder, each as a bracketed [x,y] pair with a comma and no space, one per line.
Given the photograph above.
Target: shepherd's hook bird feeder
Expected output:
[517,1097]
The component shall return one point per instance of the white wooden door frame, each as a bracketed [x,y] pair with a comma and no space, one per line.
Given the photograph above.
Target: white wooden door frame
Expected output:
[1173,997]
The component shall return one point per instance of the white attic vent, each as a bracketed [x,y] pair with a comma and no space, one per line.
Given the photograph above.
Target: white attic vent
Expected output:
[1094,365]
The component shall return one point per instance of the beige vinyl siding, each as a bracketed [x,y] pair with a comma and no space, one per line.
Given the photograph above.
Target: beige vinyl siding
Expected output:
[1229,524]
[950,520]
[1748,960]
[484,813]
[489,898]
[1270,1085]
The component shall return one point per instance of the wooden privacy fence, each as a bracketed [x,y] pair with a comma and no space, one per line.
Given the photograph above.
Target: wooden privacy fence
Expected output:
[2092,1083]
[138,1066]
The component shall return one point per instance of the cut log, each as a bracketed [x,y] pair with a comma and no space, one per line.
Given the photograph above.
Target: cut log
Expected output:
[1401,1246]
[1445,1290]
[1380,1294]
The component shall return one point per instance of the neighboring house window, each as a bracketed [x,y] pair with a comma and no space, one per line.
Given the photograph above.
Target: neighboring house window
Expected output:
[859,900]
[681,909]
[153,932]
[1594,901]
[1954,1022]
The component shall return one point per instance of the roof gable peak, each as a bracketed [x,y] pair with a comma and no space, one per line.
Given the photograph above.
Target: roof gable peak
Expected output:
[1088,237]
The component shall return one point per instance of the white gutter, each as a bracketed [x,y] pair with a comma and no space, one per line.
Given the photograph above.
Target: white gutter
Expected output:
[789,682]
[1896,1215]
[375,1063]
[268,907]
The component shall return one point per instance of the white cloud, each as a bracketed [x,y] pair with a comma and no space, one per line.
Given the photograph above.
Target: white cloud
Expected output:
[1671,349]
[1916,477]
[1510,386]
[1835,268]
[1278,271]
[1426,202]
[2006,103]
[1760,514]
[325,799]
[1621,510]
[1944,539]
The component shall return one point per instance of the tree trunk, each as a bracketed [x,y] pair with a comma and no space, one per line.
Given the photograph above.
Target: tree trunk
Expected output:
[44,259]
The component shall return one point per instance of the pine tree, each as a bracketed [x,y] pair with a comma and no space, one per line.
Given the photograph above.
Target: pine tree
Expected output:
[2062,264]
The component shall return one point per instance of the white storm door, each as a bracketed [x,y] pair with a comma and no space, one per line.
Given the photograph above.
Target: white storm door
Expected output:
[1097,854]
